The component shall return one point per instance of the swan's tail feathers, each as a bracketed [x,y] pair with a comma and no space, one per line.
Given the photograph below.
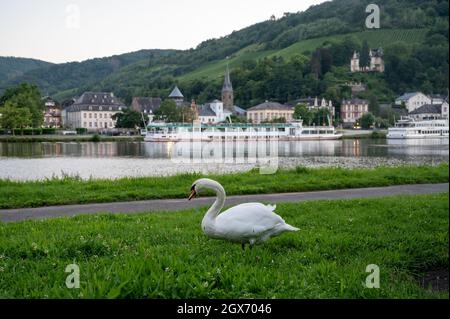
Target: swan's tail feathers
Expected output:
[288,227]
[272,207]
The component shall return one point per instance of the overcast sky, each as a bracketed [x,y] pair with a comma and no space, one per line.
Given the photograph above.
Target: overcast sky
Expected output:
[75,30]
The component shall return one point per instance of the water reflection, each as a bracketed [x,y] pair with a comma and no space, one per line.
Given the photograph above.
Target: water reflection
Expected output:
[419,147]
[31,161]
[346,148]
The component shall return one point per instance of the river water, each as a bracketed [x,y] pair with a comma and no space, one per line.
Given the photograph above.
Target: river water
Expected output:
[36,161]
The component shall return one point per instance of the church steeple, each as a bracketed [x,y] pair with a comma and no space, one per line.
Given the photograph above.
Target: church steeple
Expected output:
[227,92]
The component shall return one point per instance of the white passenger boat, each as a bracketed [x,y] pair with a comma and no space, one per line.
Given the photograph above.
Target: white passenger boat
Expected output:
[171,132]
[408,128]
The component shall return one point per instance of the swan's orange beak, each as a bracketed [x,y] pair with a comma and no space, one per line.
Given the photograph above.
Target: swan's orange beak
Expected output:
[193,194]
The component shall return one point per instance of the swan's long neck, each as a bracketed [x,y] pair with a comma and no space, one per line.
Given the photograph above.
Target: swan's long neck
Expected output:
[215,209]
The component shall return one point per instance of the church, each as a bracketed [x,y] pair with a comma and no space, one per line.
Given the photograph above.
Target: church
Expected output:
[219,111]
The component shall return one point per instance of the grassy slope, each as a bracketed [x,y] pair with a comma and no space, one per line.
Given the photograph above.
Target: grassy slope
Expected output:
[74,191]
[214,70]
[165,255]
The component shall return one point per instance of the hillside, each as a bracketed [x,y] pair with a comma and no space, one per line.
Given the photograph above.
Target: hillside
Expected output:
[198,71]
[74,76]
[12,67]
[376,38]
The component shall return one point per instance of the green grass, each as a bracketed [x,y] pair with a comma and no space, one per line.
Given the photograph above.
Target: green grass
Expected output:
[165,255]
[70,190]
[383,37]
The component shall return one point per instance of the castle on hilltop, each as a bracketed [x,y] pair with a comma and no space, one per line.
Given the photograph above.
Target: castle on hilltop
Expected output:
[376,62]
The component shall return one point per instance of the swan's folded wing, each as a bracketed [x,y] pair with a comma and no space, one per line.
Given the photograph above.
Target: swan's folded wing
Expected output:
[247,220]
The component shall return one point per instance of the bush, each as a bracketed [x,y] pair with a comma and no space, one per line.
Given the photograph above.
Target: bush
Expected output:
[81,130]
[49,131]
[28,131]
[367,121]
[96,138]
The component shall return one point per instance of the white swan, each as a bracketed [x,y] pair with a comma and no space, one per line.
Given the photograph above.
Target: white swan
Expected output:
[250,223]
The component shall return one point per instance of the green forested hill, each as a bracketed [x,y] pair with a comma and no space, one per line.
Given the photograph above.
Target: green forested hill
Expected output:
[12,67]
[308,51]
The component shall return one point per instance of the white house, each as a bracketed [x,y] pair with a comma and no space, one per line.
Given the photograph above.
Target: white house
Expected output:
[212,113]
[413,100]
[92,111]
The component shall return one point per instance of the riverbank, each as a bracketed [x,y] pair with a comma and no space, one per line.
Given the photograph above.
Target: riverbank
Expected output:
[73,190]
[67,138]
[166,255]
[361,134]
[346,134]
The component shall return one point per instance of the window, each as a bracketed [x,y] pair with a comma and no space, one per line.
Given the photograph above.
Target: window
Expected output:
[100,108]
[90,115]
[90,124]
[95,115]
[101,115]
[84,115]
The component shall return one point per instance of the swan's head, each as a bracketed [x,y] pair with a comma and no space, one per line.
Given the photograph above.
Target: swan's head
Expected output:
[201,184]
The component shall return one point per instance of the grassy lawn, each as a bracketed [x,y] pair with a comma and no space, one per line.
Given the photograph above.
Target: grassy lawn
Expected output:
[73,191]
[165,255]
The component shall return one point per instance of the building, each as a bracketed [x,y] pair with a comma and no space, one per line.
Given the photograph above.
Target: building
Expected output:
[93,111]
[412,100]
[213,113]
[376,62]
[431,111]
[177,96]
[146,105]
[315,104]
[354,63]
[227,92]
[269,111]
[357,88]
[352,111]
[52,113]
[437,99]
[219,111]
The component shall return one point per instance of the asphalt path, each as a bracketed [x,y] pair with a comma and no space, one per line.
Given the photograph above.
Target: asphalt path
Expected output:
[16,215]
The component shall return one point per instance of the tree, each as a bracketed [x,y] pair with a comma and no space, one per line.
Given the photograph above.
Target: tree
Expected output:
[129,119]
[364,58]
[170,112]
[25,96]
[302,112]
[367,121]
[374,106]
[321,117]
[14,117]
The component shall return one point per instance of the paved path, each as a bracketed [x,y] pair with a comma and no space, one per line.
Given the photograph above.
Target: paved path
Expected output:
[14,215]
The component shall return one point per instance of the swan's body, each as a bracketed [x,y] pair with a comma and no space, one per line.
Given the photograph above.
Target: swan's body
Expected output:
[250,223]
